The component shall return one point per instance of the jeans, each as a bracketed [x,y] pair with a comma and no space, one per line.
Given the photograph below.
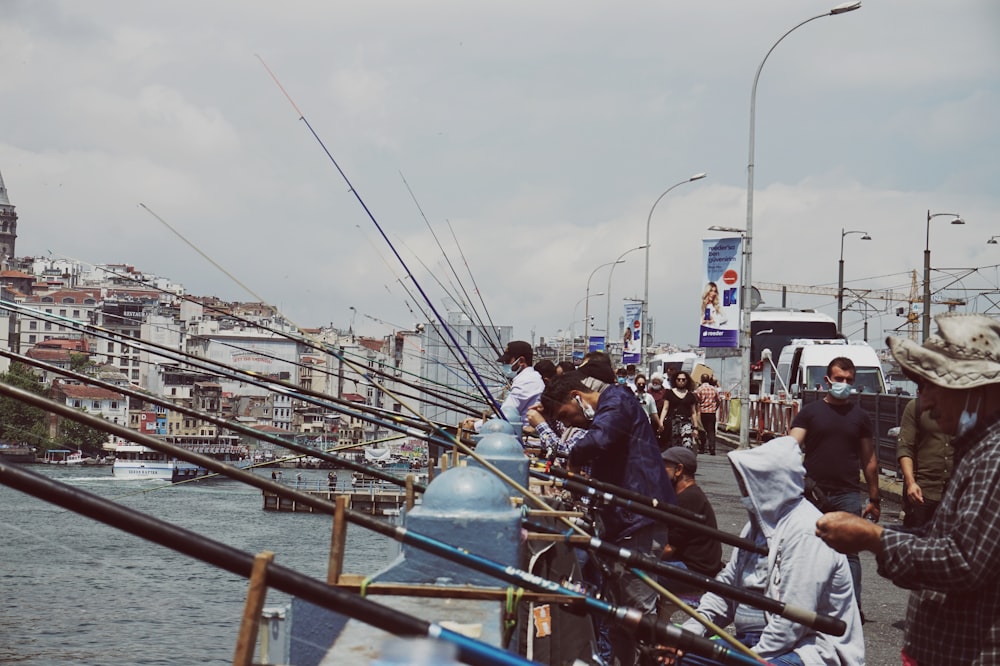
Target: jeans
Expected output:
[851,503]
[749,639]
[708,422]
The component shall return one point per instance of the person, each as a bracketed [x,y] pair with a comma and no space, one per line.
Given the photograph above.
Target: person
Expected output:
[274,475]
[694,551]
[659,391]
[680,412]
[630,375]
[621,448]
[546,369]
[298,479]
[708,406]
[711,306]
[565,366]
[647,401]
[925,460]
[800,569]
[331,480]
[949,564]
[526,384]
[836,435]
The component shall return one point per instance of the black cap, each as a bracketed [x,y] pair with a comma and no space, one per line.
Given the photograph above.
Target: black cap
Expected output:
[681,455]
[516,349]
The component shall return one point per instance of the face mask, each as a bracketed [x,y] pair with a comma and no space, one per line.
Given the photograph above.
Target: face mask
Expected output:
[641,388]
[621,380]
[840,390]
[588,411]
[657,387]
[967,419]
[509,371]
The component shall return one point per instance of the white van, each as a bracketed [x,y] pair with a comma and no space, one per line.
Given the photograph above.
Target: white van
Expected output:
[802,365]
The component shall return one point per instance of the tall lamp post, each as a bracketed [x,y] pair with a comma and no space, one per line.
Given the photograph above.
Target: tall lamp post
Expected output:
[748,245]
[840,276]
[927,269]
[992,240]
[572,325]
[586,316]
[607,322]
[645,294]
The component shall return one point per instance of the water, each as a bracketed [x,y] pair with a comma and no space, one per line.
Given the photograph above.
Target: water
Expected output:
[78,592]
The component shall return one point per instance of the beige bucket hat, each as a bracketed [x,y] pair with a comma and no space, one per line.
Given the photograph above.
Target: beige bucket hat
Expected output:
[964,354]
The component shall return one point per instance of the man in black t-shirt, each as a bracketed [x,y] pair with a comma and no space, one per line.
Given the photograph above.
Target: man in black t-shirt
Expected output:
[836,436]
[698,552]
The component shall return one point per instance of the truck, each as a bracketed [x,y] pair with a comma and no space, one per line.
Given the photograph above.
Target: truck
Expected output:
[802,366]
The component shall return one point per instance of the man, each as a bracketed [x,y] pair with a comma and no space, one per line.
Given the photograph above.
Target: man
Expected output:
[526,384]
[708,404]
[621,448]
[696,552]
[836,435]
[951,563]
[800,570]
[925,459]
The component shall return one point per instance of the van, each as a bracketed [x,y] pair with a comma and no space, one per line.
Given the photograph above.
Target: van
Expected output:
[803,362]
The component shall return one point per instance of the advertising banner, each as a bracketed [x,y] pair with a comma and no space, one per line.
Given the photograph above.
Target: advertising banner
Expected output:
[632,334]
[720,294]
[596,343]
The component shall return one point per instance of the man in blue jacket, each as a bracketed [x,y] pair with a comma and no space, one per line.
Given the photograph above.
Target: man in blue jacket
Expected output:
[621,449]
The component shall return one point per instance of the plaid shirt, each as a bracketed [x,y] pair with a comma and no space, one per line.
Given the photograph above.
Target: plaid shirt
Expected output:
[952,564]
[708,398]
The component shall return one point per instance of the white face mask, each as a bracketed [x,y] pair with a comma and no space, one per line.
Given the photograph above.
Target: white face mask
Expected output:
[967,419]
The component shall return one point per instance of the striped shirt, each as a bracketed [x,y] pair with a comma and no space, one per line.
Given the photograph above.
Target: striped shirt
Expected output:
[951,565]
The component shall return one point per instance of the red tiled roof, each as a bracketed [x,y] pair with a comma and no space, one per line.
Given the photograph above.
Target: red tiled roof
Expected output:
[85,392]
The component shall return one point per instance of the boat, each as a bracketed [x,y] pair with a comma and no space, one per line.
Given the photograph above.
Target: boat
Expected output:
[135,461]
[64,457]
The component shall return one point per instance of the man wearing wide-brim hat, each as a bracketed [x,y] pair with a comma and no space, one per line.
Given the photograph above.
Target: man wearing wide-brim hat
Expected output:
[951,564]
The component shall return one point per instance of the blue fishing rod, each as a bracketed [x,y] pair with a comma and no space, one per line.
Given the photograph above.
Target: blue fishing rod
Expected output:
[481,384]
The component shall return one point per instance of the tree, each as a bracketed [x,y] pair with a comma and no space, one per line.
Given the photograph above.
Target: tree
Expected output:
[19,421]
[76,435]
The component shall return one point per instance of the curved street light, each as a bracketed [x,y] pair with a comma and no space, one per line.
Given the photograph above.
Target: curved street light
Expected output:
[572,325]
[840,276]
[607,322]
[926,326]
[748,238]
[992,240]
[645,293]
[586,325]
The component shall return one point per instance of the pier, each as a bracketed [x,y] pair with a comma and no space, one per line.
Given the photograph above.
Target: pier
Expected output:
[374,499]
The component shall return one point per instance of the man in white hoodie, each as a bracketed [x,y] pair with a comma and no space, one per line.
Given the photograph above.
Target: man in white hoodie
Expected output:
[800,570]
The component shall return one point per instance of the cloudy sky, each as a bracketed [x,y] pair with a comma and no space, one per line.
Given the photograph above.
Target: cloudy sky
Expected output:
[541,131]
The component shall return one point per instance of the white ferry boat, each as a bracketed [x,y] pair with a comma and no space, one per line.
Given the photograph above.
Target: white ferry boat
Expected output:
[135,461]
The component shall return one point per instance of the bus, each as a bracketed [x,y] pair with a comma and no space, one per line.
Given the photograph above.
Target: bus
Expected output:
[774,328]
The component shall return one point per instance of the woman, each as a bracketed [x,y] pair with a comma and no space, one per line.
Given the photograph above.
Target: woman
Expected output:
[711,306]
[679,417]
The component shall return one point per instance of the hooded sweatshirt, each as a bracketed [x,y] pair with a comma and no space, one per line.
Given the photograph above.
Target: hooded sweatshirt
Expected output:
[800,569]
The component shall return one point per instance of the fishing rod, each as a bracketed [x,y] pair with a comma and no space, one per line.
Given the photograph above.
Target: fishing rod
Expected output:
[632,619]
[241,563]
[804,616]
[661,514]
[233,426]
[325,348]
[619,491]
[479,319]
[475,286]
[482,384]
[217,369]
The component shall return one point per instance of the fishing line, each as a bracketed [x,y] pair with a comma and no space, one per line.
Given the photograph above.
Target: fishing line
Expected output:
[493,327]
[481,384]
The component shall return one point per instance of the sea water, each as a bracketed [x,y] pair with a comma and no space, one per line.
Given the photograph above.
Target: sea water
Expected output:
[75,591]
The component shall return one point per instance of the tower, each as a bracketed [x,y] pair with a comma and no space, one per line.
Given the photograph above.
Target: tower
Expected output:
[8,226]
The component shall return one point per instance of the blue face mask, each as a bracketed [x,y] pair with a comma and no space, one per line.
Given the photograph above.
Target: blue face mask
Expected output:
[621,380]
[967,419]
[508,371]
[840,390]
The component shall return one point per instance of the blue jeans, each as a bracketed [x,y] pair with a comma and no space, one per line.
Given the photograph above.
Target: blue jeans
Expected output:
[851,503]
[749,639]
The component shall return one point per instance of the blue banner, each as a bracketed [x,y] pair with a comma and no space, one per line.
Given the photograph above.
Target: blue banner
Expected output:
[596,343]
[720,295]
[632,334]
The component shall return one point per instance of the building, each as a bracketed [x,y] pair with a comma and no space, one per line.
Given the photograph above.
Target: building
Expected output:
[8,227]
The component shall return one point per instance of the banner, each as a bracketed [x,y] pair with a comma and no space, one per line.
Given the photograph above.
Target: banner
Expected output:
[596,343]
[632,333]
[720,294]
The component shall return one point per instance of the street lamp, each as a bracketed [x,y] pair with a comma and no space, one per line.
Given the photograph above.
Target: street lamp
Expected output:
[840,276]
[607,322]
[645,295]
[992,240]
[927,269]
[748,245]
[572,325]
[586,325]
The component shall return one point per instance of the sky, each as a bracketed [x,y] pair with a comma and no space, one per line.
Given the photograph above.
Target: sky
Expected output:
[535,138]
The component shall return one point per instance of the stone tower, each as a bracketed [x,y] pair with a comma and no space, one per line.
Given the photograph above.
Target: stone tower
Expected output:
[8,227]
